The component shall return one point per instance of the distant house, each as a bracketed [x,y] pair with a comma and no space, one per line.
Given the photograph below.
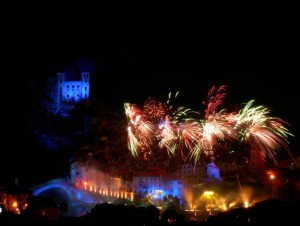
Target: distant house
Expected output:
[156,184]
[213,172]
[190,174]
[13,198]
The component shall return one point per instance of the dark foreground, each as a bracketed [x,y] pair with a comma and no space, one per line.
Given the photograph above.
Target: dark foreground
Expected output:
[271,211]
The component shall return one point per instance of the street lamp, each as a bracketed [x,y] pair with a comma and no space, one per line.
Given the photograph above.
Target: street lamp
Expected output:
[272,178]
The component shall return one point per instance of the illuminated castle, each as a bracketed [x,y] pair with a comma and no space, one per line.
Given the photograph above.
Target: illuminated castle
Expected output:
[64,93]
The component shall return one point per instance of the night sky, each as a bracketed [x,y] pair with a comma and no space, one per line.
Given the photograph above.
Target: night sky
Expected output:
[129,62]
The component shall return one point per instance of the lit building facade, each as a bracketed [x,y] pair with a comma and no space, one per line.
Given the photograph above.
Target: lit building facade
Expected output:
[156,185]
[100,182]
[230,169]
[65,93]
[189,174]
[13,199]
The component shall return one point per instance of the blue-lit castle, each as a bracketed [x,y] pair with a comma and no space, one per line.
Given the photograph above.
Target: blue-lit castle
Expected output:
[65,93]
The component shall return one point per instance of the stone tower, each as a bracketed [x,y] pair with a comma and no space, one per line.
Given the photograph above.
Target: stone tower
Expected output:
[65,93]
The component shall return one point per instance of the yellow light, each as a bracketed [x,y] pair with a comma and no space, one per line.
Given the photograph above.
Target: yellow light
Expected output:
[208,193]
[15,204]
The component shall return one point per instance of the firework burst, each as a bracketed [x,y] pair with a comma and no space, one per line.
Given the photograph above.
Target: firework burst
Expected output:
[263,133]
[165,126]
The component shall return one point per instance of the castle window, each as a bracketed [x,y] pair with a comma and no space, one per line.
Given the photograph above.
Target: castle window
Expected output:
[67,86]
[85,80]
[72,86]
[78,86]
[85,88]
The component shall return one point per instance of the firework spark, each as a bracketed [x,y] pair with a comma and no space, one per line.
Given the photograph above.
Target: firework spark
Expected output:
[179,129]
[263,133]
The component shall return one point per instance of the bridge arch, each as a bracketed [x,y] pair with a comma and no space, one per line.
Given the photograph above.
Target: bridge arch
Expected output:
[37,191]
[72,192]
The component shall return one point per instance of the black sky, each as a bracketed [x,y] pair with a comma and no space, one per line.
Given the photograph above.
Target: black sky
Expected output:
[131,60]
